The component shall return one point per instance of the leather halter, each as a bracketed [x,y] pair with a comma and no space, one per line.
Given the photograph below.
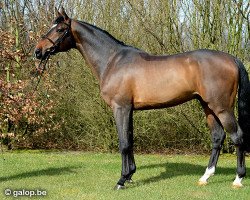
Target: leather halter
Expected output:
[59,40]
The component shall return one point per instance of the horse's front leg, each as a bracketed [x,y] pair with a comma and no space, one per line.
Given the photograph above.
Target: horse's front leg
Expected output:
[124,123]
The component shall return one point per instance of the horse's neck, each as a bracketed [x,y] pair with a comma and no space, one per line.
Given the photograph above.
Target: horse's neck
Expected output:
[97,47]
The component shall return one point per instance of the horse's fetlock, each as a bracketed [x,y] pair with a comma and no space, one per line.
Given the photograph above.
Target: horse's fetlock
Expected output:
[241,172]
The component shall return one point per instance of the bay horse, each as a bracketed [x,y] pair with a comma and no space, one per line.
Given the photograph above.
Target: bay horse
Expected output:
[131,79]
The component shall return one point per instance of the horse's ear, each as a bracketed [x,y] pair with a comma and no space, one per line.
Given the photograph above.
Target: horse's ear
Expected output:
[57,12]
[64,14]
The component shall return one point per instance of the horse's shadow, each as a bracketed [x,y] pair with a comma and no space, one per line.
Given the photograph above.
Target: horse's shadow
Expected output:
[181,169]
[51,171]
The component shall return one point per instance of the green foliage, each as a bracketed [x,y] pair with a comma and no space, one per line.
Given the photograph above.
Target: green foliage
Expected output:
[81,118]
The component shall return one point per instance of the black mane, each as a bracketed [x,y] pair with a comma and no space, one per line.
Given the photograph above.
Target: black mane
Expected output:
[103,31]
[61,19]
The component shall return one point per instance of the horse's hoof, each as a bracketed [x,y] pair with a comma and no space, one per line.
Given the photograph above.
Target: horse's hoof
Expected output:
[130,181]
[237,182]
[119,187]
[237,185]
[202,183]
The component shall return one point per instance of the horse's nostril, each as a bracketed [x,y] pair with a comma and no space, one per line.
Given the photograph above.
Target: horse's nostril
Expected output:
[38,53]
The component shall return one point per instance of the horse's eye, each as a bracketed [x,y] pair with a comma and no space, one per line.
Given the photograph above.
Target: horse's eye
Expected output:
[60,30]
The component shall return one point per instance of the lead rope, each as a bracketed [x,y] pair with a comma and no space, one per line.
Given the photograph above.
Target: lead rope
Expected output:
[43,69]
[42,64]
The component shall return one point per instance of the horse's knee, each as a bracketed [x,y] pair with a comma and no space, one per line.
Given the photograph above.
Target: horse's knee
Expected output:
[124,147]
[217,145]
[218,138]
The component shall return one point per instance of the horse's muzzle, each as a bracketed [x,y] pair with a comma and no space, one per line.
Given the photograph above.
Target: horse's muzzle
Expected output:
[38,53]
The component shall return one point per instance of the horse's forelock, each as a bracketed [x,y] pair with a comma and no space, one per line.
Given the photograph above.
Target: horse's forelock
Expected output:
[58,20]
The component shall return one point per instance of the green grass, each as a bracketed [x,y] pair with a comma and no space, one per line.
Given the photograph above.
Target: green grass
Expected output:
[78,175]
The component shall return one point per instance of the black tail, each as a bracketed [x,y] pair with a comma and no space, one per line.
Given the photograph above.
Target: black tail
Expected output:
[244,103]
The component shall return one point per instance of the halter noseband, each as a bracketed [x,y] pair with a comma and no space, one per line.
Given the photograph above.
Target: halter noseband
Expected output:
[59,40]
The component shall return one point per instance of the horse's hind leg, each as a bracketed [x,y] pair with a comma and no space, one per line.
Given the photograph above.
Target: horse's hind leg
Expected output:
[218,135]
[230,124]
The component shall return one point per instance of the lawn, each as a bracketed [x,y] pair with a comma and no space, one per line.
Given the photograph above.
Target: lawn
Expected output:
[80,175]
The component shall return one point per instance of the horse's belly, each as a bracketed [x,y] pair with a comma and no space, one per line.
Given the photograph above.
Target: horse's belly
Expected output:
[160,95]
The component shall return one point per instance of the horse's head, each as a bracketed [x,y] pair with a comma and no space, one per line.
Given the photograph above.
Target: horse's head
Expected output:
[57,39]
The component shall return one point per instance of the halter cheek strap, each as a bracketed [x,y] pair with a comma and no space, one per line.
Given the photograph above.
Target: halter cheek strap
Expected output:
[49,40]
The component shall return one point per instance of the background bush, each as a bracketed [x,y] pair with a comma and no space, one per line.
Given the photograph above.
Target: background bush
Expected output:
[77,117]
